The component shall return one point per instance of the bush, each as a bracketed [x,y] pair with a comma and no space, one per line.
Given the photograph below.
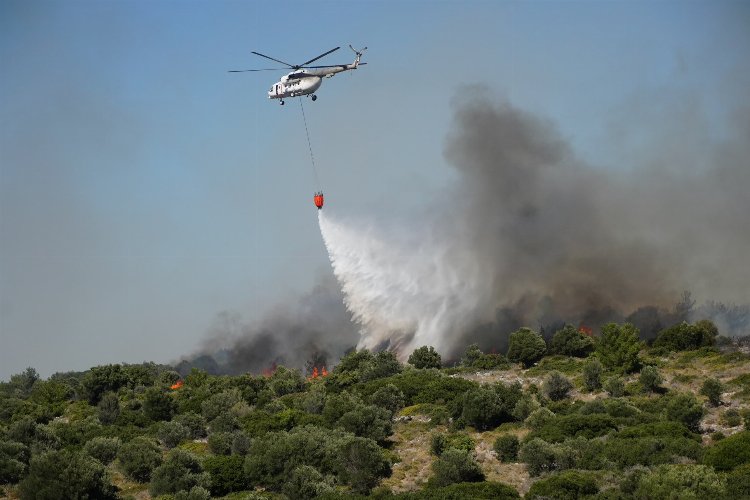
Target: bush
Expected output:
[361,464]
[181,471]
[109,408]
[686,337]
[384,364]
[712,389]
[539,418]
[425,357]
[506,448]
[306,482]
[592,375]
[220,443]
[460,491]
[524,407]
[220,403]
[172,433]
[195,493]
[65,474]
[731,418]
[650,378]
[567,485]
[482,408]
[438,443]
[226,474]
[526,347]
[686,409]
[615,387]
[240,443]
[286,381]
[738,482]
[139,458]
[618,347]
[539,456]
[569,341]
[103,449]
[455,466]
[14,459]
[157,405]
[681,481]
[389,397]
[729,453]
[557,386]
[195,424]
[471,355]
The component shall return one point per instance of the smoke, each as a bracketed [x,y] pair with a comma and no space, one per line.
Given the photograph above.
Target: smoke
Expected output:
[314,327]
[528,234]
[536,237]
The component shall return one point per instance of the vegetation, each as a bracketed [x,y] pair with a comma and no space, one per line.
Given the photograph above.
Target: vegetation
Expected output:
[374,427]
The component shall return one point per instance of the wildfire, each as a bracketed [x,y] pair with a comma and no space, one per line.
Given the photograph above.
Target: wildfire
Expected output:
[586,330]
[315,373]
[176,385]
[269,371]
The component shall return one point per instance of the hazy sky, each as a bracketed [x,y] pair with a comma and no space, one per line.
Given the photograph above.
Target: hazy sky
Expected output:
[144,190]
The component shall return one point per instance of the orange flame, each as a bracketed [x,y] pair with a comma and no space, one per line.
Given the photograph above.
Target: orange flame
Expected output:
[325,372]
[586,330]
[177,385]
[318,373]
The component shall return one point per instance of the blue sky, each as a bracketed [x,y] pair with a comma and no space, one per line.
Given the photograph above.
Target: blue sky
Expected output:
[143,189]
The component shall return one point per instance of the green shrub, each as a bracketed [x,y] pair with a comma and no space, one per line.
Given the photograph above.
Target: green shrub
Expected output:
[306,482]
[482,408]
[575,425]
[181,471]
[460,491]
[438,443]
[158,405]
[526,346]
[240,443]
[615,387]
[506,448]
[195,424]
[539,418]
[569,341]
[361,464]
[14,460]
[226,474]
[109,408]
[681,481]
[195,493]
[139,458]
[455,466]
[471,355]
[103,449]
[384,364]
[650,378]
[712,389]
[729,453]
[539,456]
[524,407]
[172,433]
[618,347]
[66,474]
[567,485]
[686,337]
[220,403]
[220,443]
[686,409]
[738,482]
[557,386]
[731,417]
[389,397]
[425,357]
[592,375]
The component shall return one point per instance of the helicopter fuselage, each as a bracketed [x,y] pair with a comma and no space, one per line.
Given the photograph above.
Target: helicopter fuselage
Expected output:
[305,81]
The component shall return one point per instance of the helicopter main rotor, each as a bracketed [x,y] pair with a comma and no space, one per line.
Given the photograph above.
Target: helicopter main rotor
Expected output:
[292,66]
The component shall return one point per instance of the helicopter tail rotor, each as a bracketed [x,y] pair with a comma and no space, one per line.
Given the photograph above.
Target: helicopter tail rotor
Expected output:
[357,52]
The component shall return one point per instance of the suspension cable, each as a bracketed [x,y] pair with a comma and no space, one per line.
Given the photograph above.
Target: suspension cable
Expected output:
[309,145]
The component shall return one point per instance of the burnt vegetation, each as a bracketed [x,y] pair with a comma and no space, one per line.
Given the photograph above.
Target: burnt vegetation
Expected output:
[576,415]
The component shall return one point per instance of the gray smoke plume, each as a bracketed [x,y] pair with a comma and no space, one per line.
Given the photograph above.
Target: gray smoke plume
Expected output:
[528,235]
[536,237]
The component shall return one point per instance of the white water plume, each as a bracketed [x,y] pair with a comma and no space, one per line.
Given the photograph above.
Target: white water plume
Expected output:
[404,290]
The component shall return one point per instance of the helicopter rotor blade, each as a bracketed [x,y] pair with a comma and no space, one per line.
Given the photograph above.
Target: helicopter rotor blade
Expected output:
[316,58]
[276,60]
[245,70]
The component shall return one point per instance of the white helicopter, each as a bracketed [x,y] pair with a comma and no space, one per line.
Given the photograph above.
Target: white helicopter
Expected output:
[304,79]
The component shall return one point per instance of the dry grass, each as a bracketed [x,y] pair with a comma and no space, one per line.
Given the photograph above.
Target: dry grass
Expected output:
[412,445]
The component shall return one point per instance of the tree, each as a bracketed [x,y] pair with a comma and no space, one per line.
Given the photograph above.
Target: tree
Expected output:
[455,466]
[592,375]
[566,485]
[306,482]
[618,347]
[66,474]
[569,341]
[157,405]
[557,386]
[14,459]
[109,408]
[683,481]
[181,471]
[221,402]
[172,433]
[729,453]
[102,379]
[384,364]
[389,397]
[686,409]
[471,355]
[367,421]
[425,357]
[615,387]
[506,447]
[103,448]
[712,389]
[139,458]
[526,346]
[650,378]
[361,463]
[685,337]
[482,408]
[226,474]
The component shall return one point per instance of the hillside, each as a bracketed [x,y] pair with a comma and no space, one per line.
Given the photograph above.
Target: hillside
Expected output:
[572,417]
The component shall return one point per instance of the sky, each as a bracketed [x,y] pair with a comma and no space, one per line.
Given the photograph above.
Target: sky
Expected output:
[144,191]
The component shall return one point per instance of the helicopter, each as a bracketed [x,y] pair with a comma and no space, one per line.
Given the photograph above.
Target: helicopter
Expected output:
[304,79]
